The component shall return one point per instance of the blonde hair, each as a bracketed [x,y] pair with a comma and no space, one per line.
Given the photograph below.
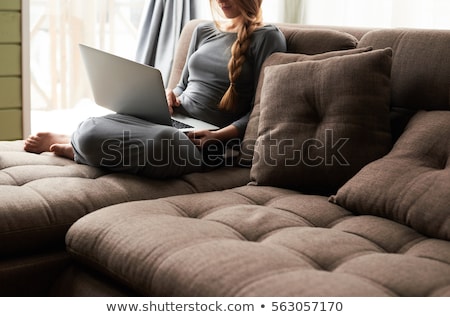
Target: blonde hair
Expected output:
[252,19]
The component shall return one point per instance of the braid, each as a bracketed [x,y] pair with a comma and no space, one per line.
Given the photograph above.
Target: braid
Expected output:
[238,52]
[238,57]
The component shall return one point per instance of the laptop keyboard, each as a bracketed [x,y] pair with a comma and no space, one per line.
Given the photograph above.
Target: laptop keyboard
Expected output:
[180,125]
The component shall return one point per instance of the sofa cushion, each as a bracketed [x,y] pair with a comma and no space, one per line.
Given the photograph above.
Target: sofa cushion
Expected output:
[322,121]
[305,40]
[251,133]
[417,83]
[42,195]
[258,241]
[411,184]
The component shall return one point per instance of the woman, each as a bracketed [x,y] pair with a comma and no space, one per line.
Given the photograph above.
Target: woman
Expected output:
[217,85]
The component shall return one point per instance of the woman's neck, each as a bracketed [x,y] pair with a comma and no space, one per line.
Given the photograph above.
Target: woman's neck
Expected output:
[232,25]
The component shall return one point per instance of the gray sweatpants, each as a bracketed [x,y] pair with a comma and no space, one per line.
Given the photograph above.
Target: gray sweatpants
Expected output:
[123,143]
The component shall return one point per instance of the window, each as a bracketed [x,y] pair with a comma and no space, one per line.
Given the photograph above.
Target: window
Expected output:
[59,89]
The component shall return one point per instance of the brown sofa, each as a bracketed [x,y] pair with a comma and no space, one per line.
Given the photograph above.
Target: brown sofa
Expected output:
[341,189]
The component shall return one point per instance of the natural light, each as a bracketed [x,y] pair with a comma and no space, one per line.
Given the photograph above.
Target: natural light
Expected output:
[60,95]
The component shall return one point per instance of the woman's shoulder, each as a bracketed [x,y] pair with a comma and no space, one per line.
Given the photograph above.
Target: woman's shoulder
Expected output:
[269,29]
[205,31]
[206,27]
[269,33]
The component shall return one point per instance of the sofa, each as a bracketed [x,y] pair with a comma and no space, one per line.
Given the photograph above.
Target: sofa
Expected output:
[340,187]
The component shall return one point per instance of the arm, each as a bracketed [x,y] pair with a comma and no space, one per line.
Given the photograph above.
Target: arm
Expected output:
[172,94]
[202,138]
[172,100]
[193,46]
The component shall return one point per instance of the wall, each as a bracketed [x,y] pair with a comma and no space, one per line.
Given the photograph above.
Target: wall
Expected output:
[10,70]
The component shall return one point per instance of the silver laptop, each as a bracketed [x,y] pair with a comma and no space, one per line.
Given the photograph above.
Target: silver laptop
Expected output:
[131,88]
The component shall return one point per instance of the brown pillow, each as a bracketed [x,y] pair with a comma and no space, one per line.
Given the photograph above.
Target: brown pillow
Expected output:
[322,121]
[411,184]
[251,132]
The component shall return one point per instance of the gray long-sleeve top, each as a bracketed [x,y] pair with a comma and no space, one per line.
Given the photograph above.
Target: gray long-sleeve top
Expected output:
[205,77]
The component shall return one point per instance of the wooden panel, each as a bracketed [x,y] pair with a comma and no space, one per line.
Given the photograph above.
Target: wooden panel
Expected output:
[10,27]
[10,4]
[10,92]
[10,124]
[10,70]
[10,60]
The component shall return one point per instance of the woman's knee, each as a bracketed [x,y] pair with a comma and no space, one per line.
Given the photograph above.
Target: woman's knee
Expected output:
[90,142]
[156,151]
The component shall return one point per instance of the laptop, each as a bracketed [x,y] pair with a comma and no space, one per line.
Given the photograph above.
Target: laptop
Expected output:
[134,89]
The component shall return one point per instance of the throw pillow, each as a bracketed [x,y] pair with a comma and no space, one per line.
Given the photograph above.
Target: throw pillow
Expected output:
[322,121]
[248,144]
[411,184]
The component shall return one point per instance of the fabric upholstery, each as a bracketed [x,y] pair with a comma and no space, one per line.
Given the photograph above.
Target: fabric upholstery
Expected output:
[355,31]
[31,274]
[411,184]
[77,281]
[322,121]
[258,241]
[420,67]
[42,195]
[305,40]
[251,133]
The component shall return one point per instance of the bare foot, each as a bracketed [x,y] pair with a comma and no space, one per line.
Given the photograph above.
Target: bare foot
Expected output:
[64,150]
[42,141]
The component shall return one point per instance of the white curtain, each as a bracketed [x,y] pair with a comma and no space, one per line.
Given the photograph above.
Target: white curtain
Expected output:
[283,11]
[294,11]
[379,13]
[365,13]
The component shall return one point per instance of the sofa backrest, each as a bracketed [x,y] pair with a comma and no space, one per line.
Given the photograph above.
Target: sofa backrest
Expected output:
[421,61]
[300,39]
[420,76]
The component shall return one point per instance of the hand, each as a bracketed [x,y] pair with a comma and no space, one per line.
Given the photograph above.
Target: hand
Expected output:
[172,100]
[203,137]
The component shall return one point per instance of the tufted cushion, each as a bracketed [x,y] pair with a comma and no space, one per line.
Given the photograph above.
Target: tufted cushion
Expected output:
[42,195]
[258,241]
[322,121]
[411,184]
[251,133]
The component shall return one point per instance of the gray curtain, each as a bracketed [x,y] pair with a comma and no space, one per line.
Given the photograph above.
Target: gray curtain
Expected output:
[159,31]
